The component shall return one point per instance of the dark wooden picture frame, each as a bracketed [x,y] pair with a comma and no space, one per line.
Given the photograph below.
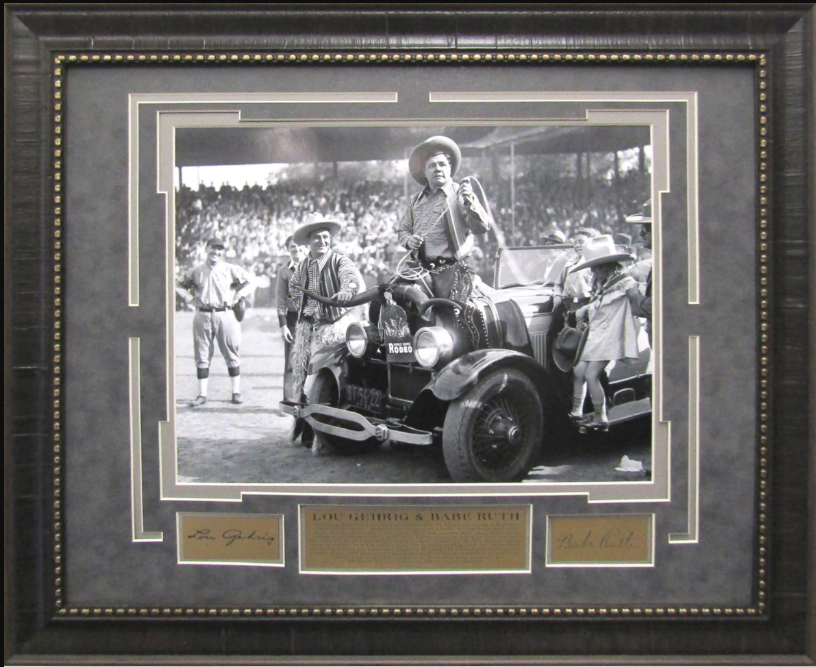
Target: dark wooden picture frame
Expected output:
[780,38]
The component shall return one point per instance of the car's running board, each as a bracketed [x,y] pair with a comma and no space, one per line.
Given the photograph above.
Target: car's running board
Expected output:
[631,410]
[616,415]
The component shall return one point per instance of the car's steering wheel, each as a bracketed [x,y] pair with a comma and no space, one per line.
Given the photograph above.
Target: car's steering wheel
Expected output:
[438,302]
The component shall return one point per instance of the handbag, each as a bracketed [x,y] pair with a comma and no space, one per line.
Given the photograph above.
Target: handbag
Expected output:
[569,344]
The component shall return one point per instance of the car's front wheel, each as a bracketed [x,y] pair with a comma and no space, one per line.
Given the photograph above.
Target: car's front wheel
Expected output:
[493,432]
[324,390]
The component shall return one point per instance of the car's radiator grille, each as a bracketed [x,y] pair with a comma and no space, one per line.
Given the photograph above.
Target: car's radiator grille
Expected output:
[539,342]
[406,384]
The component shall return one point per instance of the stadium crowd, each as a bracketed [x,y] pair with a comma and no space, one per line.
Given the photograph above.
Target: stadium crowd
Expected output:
[255,220]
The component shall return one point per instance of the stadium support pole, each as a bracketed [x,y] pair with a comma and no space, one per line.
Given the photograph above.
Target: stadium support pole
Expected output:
[513,191]
[579,178]
[405,178]
[618,187]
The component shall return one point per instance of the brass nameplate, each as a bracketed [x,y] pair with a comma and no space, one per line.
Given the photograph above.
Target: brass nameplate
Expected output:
[407,539]
[230,539]
[598,541]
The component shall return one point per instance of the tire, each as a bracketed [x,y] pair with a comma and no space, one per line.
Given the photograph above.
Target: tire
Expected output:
[493,432]
[324,390]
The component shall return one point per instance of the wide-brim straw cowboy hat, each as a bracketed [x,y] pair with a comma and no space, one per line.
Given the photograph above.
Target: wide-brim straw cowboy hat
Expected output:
[427,149]
[644,217]
[571,343]
[312,223]
[601,250]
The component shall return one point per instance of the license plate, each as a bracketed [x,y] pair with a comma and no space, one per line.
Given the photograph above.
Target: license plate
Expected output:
[365,398]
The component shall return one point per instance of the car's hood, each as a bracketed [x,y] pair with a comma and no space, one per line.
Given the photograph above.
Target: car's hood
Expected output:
[524,295]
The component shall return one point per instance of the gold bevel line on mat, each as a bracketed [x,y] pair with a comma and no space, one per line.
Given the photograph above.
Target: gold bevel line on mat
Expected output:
[406,611]
[600,540]
[413,57]
[692,534]
[692,171]
[765,317]
[400,540]
[231,539]
[396,612]
[136,469]
[136,99]
[57,342]
[656,489]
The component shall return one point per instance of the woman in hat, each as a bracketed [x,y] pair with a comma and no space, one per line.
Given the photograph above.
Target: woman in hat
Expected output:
[612,328]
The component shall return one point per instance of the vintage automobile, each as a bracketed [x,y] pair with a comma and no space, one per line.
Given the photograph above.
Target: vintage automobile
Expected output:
[479,380]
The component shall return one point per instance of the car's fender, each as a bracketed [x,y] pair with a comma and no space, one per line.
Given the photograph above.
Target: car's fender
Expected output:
[458,376]
[332,357]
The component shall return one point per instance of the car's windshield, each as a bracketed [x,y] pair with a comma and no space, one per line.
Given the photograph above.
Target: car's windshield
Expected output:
[535,265]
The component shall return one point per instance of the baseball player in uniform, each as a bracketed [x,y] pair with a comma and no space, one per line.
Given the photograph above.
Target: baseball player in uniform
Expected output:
[214,288]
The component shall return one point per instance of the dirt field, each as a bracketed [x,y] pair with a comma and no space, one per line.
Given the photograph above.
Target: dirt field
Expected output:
[222,442]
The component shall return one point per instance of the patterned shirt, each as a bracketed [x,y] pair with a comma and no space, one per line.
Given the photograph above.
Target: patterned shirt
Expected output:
[349,278]
[426,216]
[314,267]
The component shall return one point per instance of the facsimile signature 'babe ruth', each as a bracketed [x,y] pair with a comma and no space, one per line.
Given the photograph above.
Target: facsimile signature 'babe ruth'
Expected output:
[214,288]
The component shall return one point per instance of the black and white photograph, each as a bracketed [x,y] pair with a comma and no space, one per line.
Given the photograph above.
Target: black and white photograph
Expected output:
[423,304]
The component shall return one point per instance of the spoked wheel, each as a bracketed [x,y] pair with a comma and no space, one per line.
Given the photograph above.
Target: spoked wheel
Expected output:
[493,432]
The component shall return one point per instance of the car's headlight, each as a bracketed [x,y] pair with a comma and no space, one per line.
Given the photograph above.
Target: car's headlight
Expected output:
[356,339]
[432,345]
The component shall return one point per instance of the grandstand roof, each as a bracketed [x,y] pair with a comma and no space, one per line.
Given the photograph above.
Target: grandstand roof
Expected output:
[230,146]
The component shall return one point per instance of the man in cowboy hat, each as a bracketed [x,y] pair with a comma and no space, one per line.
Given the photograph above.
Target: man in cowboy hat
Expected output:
[329,274]
[642,301]
[440,222]
[214,288]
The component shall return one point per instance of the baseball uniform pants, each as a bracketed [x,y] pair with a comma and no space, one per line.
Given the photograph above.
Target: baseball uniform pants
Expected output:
[216,327]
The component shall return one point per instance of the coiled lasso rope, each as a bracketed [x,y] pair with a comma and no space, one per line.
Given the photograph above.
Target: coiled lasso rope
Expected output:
[409,267]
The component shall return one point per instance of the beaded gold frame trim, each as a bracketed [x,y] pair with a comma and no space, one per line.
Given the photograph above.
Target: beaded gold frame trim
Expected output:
[758,60]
